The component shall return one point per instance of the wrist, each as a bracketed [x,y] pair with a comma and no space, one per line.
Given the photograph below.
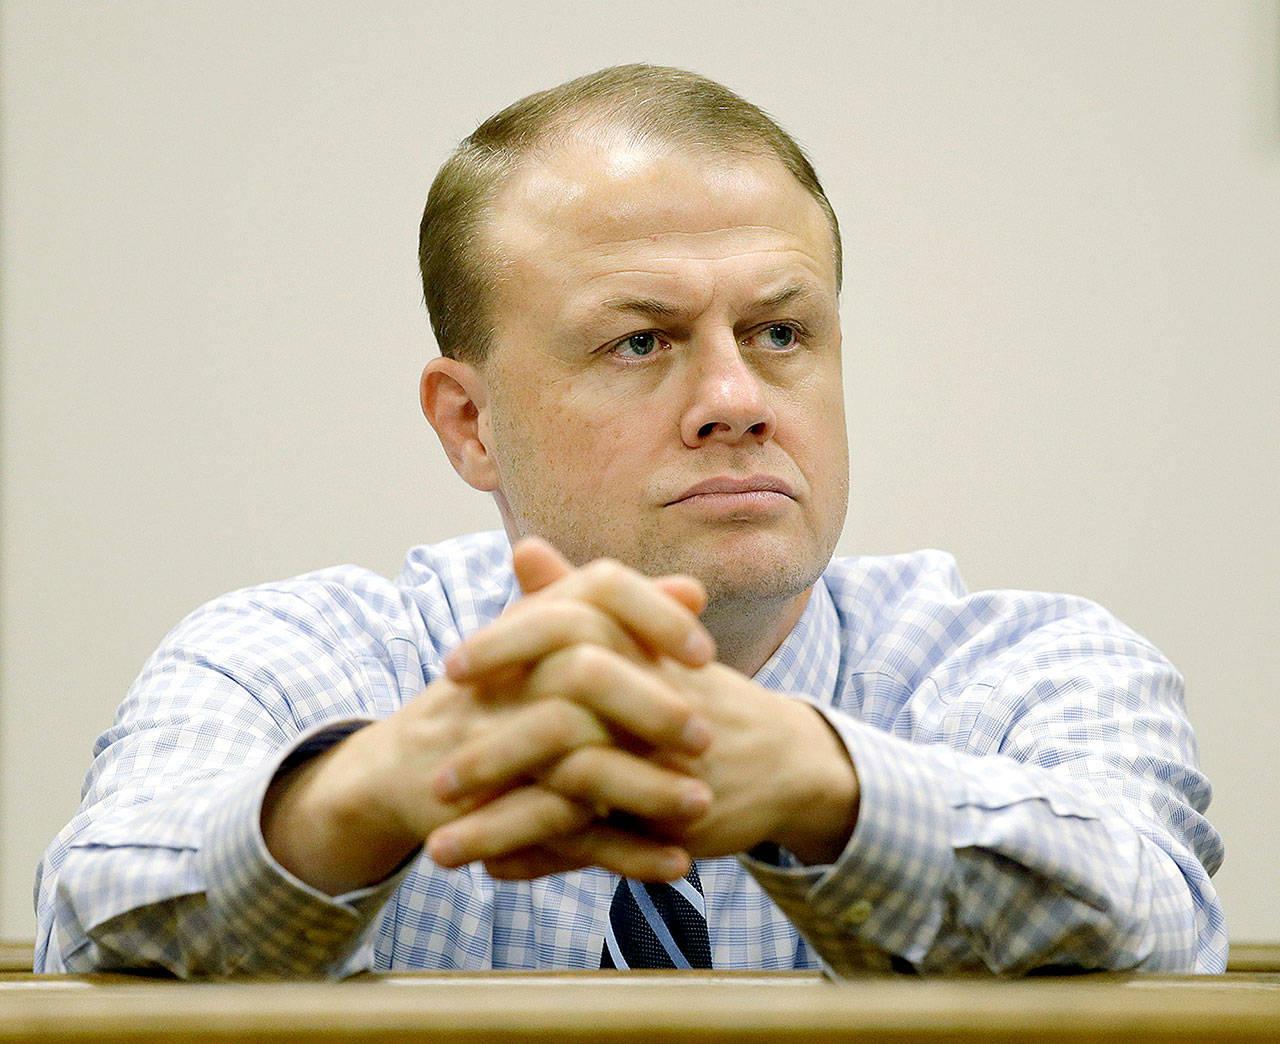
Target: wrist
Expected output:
[825,801]
[323,824]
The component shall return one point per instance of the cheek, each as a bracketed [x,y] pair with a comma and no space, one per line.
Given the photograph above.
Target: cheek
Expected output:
[603,462]
[814,408]
[812,430]
[587,442]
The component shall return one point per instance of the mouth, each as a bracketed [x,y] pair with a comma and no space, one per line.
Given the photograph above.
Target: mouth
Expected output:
[762,489]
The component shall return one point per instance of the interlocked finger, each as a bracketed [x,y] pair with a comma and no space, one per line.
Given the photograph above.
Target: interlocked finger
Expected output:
[521,818]
[532,629]
[659,623]
[626,695]
[611,780]
[517,746]
[640,858]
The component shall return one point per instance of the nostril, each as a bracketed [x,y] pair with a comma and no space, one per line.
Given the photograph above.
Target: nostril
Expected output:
[706,430]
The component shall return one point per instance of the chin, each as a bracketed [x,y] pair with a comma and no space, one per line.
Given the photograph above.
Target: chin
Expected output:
[758,576]
[752,568]
[758,591]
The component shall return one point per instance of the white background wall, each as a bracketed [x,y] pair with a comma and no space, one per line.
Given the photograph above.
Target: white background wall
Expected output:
[1062,315]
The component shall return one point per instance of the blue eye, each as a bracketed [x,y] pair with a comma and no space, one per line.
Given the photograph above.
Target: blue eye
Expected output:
[781,335]
[638,345]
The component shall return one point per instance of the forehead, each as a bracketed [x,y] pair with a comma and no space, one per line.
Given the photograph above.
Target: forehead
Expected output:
[587,217]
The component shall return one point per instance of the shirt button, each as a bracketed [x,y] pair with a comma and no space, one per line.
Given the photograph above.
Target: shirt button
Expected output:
[857,913]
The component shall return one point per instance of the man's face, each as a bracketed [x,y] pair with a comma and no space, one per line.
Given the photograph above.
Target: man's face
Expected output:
[664,388]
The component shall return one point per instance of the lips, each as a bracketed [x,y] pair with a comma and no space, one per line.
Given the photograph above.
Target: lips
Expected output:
[728,484]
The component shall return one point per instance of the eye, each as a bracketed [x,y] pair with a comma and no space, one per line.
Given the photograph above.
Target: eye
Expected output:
[779,336]
[638,345]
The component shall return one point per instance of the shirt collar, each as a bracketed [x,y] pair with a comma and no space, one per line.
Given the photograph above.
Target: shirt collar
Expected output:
[808,660]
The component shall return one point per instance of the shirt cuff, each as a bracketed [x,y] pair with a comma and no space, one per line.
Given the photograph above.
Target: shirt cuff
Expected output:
[278,923]
[883,898]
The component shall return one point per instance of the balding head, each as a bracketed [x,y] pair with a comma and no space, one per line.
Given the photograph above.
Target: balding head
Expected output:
[637,105]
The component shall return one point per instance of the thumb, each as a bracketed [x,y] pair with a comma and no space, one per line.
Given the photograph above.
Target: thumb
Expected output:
[686,590]
[537,564]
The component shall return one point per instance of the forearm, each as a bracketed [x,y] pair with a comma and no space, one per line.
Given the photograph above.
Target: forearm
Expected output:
[321,820]
[183,885]
[187,934]
[823,796]
[959,861]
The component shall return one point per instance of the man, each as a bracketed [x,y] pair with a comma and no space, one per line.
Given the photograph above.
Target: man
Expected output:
[633,279]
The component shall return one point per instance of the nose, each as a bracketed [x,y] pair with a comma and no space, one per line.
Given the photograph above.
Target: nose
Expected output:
[728,403]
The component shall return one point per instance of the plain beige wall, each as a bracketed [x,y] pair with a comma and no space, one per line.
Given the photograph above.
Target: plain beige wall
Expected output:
[1063,295]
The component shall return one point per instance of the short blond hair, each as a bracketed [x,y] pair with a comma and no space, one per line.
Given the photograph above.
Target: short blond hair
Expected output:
[648,102]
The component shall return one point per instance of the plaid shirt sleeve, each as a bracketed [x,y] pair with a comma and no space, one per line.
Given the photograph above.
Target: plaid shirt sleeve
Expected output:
[164,867]
[1029,798]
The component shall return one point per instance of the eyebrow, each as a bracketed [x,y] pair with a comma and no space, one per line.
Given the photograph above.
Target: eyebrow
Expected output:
[651,306]
[789,293]
[643,305]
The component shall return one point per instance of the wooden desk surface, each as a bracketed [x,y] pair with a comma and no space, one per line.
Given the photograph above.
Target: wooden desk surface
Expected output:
[644,1007]
[16,956]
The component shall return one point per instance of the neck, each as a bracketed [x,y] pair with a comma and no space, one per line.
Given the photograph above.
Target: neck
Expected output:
[747,633]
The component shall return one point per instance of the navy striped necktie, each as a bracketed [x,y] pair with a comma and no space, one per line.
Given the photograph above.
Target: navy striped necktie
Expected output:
[657,925]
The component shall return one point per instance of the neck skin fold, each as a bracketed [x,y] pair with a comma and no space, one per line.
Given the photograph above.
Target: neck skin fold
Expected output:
[747,634]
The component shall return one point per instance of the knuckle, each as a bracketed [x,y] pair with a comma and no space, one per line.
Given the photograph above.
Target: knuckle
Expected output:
[674,713]
[585,665]
[554,720]
[561,722]
[570,778]
[578,774]
[608,575]
[465,763]
[562,617]
[559,815]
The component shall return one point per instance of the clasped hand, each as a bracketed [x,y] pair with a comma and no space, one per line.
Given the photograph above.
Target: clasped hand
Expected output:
[588,726]
[625,745]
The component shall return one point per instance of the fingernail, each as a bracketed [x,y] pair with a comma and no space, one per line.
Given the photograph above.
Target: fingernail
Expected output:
[446,784]
[695,800]
[445,850]
[455,666]
[696,735]
[699,648]
[676,866]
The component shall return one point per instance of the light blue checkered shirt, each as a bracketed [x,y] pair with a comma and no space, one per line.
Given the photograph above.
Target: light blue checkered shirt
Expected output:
[1029,791]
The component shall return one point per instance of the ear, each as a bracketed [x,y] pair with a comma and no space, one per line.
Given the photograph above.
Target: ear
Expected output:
[455,401]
